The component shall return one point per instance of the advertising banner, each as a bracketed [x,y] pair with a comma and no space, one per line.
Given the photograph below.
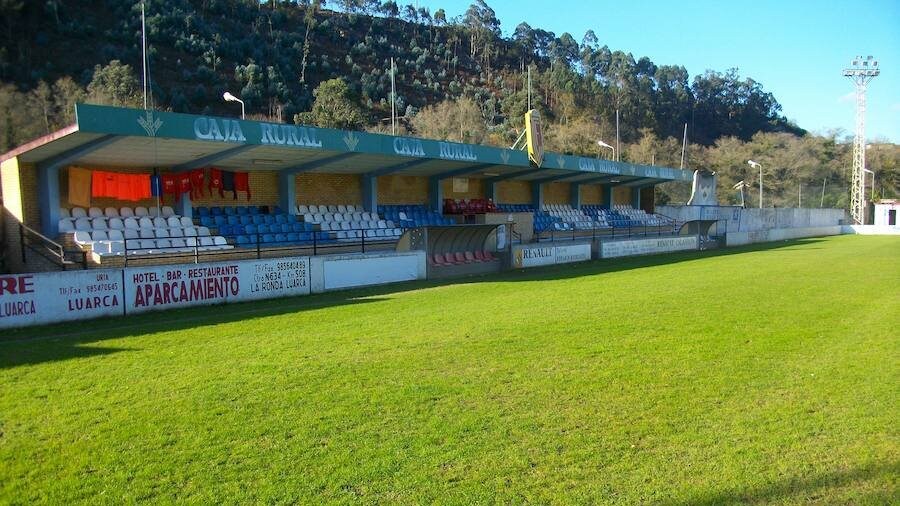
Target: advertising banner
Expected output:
[35,299]
[614,249]
[176,286]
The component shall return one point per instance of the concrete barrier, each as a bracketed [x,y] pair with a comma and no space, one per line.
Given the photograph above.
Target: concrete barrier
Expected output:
[779,234]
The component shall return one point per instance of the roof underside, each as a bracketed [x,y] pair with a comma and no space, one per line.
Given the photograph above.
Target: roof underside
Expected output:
[106,137]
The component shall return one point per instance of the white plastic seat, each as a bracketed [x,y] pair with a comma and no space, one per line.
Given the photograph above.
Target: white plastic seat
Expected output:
[186,222]
[313,209]
[180,245]
[190,242]
[115,235]
[66,225]
[302,209]
[83,224]
[116,247]
[64,213]
[173,222]
[99,235]
[164,245]
[326,226]
[167,211]
[220,242]
[381,224]
[94,212]
[131,233]
[131,223]
[159,222]
[126,212]
[78,212]
[147,245]
[328,217]
[317,218]
[370,233]
[153,212]
[176,232]
[111,212]
[206,243]
[203,232]
[141,211]
[82,237]
[162,232]
[332,209]
[190,232]
[379,232]
[145,222]
[338,217]
[116,224]
[341,208]
[345,225]
[100,247]
[147,233]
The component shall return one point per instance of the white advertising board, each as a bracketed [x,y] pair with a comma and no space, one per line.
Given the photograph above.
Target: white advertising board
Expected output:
[367,270]
[36,299]
[534,256]
[175,286]
[573,253]
[613,249]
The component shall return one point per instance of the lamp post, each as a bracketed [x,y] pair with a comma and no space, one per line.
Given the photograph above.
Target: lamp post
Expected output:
[605,145]
[231,98]
[758,166]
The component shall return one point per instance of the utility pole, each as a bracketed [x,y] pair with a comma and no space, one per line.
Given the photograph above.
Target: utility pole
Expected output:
[393,101]
[861,71]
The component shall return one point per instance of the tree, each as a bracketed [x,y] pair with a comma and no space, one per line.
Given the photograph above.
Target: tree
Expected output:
[334,107]
[115,84]
[453,120]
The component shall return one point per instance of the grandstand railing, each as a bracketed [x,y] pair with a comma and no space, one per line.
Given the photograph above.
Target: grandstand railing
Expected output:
[602,230]
[30,239]
[258,249]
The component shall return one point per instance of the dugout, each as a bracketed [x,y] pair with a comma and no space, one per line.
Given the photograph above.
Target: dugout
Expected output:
[290,170]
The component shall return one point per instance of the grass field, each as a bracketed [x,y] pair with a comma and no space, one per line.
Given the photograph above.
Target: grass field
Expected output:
[756,375]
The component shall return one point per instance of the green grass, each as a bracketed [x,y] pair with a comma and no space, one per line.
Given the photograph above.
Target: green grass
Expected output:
[756,375]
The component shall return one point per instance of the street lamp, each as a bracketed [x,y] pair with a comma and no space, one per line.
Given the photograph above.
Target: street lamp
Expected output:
[867,171]
[605,145]
[231,98]
[758,166]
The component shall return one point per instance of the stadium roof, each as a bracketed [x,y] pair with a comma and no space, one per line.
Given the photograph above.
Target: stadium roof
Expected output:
[119,137]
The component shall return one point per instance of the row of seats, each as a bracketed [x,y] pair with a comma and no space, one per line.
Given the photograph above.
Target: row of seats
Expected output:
[284,228]
[246,219]
[322,209]
[201,211]
[115,242]
[88,224]
[340,217]
[356,225]
[461,257]
[469,206]
[514,208]
[308,238]
[409,216]
[112,212]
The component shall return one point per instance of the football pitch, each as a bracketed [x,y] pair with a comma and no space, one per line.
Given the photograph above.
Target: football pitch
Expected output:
[767,374]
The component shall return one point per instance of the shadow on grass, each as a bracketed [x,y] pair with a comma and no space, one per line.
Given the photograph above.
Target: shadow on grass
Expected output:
[65,341]
[807,488]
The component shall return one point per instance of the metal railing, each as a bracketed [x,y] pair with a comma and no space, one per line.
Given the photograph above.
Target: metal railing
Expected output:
[258,248]
[30,239]
[602,229]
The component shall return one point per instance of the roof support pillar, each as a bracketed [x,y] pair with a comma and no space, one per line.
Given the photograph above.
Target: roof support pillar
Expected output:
[287,192]
[607,192]
[183,205]
[575,195]
[636,197]
[436,194]
[48,199]
[370,192]
[537,195]
[492,191]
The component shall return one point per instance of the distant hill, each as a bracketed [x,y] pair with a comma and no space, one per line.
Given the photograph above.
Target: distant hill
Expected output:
[274,54]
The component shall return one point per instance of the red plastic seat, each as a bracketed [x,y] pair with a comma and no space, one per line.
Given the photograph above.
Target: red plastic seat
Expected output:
[488,256]
[480,256]
[460,258]
[438,259]
[470,257]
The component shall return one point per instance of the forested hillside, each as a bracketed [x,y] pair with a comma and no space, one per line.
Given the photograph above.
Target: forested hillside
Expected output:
[457,77]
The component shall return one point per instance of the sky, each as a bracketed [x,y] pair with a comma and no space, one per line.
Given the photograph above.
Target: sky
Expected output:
[795,48]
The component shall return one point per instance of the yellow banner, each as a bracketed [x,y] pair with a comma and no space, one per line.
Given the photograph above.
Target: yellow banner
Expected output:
[534,138]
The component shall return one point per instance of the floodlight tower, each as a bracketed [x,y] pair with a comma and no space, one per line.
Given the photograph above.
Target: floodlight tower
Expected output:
[861,71]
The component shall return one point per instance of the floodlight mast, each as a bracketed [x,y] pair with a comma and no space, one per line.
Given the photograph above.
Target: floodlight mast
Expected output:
[861,71]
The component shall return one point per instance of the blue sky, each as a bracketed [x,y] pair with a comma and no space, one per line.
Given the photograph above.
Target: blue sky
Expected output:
[795,48]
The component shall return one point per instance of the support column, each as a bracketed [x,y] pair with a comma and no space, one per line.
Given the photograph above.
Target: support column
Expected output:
[492,191]
[636,197]
[575,199]
[183,205]
[537,195]
[607,193]
[287,192]
[370,193]
[436,194]
[48,198]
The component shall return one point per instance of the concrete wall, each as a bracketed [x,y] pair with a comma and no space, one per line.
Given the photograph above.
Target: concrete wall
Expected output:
[753,219]
[779,234]
[870,230]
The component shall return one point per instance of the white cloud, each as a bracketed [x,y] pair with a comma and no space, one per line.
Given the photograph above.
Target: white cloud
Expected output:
[849,97]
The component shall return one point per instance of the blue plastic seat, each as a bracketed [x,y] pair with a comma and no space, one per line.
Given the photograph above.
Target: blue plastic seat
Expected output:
[242,241]
[228,211]
[297,227]
[245,220]
[241,210]
[215,211]
[206,221]
[233,220]
[237,229]
[258,219]
[281,218]
[251,229]
[203,211]
[293,237]
[281,238]
[219,220]
[269,219]
[225,230]
[268,238]
[263,229]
